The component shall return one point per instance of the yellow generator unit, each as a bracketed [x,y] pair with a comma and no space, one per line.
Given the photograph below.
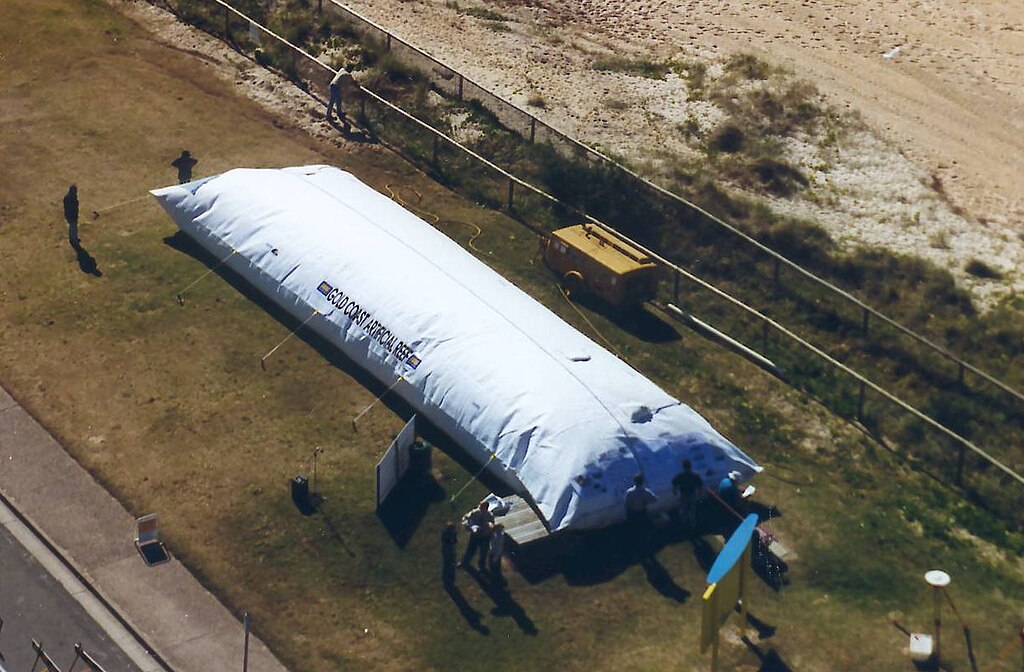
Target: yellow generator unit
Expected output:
[602,264]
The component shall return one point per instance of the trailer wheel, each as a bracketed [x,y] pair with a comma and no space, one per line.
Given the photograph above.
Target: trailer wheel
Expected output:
[572,283]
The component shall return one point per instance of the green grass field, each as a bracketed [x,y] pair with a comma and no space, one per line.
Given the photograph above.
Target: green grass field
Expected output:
[168,407]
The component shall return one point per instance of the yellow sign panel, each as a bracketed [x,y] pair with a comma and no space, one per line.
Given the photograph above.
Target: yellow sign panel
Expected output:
[720,600]
[730,575]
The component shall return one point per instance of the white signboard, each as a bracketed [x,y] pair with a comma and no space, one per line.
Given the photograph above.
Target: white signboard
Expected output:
[395,461]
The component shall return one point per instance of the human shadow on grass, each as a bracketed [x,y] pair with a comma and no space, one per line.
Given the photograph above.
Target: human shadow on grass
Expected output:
[404,509]
[471,615]
[352,133]
[86,262]
[662,581]
[504,603]
[599,556]
[770,660]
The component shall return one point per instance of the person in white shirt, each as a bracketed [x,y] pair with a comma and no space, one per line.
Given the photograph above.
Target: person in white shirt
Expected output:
[334,102]
[638,498]
[479,524]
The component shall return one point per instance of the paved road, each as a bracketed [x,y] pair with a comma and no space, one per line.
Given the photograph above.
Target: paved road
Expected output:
[33,604]
[167,606]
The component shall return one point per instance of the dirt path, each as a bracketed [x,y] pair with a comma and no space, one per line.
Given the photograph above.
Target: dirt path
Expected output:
[948,104]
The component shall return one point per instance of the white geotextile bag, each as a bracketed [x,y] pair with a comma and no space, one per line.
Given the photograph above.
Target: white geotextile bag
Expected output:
[558,418]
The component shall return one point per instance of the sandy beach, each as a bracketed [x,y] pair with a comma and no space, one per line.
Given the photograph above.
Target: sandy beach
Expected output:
[935,170]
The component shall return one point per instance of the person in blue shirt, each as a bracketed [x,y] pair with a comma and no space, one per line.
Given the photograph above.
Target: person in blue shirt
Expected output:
[638,498]
[728,492]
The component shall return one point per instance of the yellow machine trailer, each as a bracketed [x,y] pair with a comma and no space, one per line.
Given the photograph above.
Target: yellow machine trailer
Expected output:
[592,260]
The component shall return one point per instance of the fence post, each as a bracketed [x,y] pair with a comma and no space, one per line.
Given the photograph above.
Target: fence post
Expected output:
[246,625]
[864,323]
[388,44]
[511,186]
[860,402]
[38,648]
[960,373]
[533,128]
[41,655]
[460,87]
[78,654]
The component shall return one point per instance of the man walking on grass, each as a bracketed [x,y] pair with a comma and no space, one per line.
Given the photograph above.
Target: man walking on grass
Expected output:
[185,163]
[334,102]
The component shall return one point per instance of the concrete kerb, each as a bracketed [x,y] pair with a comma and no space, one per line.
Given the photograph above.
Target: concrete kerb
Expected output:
[72,567]
[116,575]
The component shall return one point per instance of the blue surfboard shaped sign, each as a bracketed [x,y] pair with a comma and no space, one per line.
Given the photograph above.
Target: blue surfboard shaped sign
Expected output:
[733,549]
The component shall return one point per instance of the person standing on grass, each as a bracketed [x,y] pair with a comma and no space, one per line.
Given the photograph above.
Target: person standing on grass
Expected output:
[728,492]
[449,540]
[638,498]
[184,164]
[495,552]
[71,215]
[334,102]
[687,485]
[479,523]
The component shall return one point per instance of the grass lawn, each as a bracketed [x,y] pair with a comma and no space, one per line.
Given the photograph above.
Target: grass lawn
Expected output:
[168,407]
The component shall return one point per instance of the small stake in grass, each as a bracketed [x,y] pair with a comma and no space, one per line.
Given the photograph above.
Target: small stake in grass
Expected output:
[180,297]
[373,403]
[316,452]
[97,213]
[263,360]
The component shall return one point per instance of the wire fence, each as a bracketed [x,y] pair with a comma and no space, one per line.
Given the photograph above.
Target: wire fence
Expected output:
[451,82]
[926,443]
